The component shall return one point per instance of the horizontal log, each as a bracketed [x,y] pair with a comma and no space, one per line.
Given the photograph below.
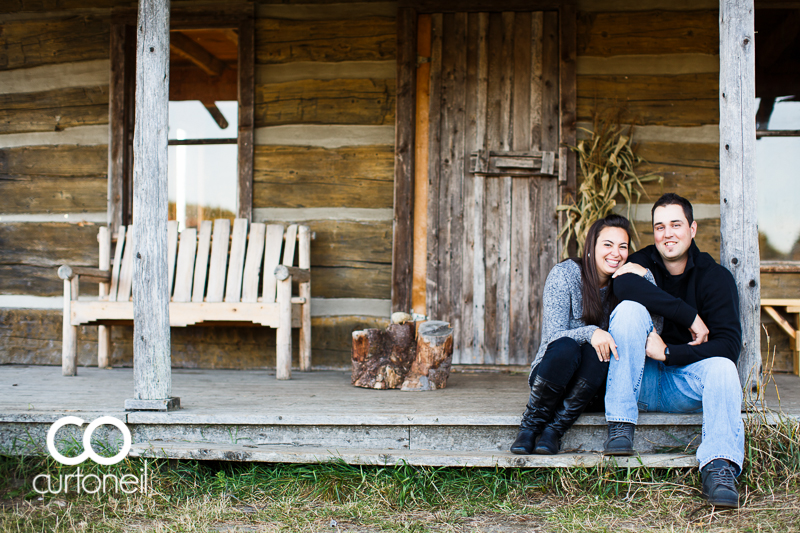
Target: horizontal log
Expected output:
[300,275]
[359,101]
[292,176]
[61,160]
[779,285]
[324,135]
[30,279]
[364,39]
[79,107]
[48,244]
[354,244]
[315,70]
[682,100]
[34,42]
[650,65]
[44,194]
[648,32]
[371,281]
[327,9]
[68,272]
[38,6]
[691,170]
[79,136]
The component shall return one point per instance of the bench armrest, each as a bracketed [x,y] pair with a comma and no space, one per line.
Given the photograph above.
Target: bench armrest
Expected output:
[67,272]
[302,275]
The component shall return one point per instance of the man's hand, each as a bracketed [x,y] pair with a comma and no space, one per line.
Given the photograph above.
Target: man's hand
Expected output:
[699,331]
[630,268]
[604,345]
[655,347]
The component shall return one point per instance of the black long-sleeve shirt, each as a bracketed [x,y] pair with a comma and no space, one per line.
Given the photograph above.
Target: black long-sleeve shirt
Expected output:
[705,288]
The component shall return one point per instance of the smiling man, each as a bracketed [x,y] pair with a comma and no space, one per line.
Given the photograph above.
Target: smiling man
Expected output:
[691,366]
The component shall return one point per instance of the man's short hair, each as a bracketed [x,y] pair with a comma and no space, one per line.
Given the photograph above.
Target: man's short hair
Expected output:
[671,198]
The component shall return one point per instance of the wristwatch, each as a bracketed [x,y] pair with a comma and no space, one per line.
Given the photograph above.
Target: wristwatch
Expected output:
[666,355]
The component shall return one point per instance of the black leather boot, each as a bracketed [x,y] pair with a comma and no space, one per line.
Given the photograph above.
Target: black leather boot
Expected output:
[571,408]
[541,404]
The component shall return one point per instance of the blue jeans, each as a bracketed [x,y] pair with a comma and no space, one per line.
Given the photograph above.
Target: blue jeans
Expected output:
[710,386]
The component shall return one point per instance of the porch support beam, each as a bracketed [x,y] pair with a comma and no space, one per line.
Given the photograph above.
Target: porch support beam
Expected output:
[738,198]
[403,230]
[152,374]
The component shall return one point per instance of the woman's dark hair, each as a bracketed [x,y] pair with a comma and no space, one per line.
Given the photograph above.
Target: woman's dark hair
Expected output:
[593,303]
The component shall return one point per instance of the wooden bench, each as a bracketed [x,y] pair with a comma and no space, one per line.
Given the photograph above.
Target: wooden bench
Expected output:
[792,306]
[209,284]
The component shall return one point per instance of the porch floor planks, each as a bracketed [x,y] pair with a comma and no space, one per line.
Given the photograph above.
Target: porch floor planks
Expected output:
[230,399]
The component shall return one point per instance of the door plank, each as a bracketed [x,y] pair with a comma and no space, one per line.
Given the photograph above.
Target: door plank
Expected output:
[272,257]
[252,265]
[466,355]
[185,267]
[432,282]
[479,192]
[521,224]
[219,260]
[201,263]
[536,86]
[233,287]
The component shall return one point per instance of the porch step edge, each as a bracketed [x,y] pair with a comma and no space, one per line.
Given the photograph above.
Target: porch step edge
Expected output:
[366,456]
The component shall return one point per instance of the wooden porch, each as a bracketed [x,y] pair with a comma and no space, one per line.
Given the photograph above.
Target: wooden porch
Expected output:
[234,415]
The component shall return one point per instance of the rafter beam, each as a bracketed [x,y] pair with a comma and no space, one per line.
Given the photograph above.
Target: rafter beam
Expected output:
[182,45]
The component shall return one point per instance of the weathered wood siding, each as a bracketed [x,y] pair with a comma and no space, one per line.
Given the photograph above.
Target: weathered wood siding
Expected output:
[324,155]
[318,68]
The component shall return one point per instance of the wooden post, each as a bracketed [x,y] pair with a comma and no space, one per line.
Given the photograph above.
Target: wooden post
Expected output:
[737,183]
[304,261]
[403,241]
[152,373]
[283,349]
[69,333]
[104,332]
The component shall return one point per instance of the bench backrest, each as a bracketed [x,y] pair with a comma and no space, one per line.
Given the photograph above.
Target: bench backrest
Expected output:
[207,269]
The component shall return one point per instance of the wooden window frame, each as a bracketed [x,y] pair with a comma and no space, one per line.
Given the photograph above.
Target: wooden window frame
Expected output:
[122,100]
[403,230]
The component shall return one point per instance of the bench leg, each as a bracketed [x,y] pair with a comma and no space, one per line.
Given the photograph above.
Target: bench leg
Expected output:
[103,346]
[305,328]
[69,336]
[283,362]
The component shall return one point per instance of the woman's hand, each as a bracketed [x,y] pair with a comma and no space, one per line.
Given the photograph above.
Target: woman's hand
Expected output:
[604,345]
[630,268]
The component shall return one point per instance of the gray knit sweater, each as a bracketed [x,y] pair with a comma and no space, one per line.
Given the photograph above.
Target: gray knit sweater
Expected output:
[562,307]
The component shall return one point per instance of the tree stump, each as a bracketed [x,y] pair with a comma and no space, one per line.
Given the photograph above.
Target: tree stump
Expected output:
[434,356]
[382,358]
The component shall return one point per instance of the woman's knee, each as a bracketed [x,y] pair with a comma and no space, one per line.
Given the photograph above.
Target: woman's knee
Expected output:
[630,316]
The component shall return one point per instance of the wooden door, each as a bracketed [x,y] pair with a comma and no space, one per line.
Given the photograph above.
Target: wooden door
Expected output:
[493,188]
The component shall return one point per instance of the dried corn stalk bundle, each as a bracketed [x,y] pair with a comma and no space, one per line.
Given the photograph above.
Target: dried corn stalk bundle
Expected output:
[606,163]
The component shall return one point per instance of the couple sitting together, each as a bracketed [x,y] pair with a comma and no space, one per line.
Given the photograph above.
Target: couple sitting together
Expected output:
[656,331]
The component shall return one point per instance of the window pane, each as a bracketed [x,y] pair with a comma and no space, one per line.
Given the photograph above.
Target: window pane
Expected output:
[203,183]
[203,179]
[778,175]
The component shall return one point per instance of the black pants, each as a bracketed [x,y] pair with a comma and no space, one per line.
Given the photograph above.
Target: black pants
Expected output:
[565,361]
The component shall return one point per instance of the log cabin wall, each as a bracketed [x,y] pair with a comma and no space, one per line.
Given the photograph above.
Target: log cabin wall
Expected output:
[324,155]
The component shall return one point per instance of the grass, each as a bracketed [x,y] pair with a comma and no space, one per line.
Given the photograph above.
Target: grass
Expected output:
[207,496]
